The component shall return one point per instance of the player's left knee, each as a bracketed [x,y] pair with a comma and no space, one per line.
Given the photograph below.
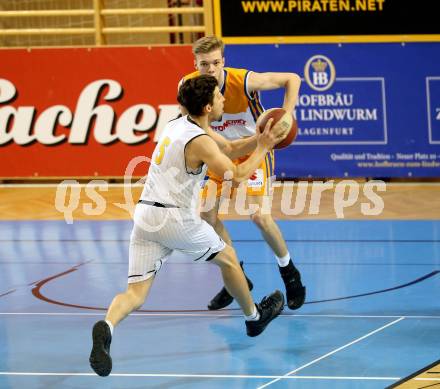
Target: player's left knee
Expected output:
[137,293]
[262,221]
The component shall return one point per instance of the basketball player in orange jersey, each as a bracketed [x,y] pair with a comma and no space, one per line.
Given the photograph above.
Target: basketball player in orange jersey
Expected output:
[242,107]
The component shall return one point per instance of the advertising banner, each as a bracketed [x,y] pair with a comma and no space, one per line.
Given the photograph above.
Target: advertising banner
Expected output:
[364,110]
[252,19]
[85,112]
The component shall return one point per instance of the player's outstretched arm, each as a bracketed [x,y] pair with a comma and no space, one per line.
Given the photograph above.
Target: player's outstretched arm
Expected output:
[271,80]
[236,148]
[204,149]
[241,147]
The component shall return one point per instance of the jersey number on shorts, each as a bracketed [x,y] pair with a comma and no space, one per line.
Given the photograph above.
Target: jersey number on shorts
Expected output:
[162,147]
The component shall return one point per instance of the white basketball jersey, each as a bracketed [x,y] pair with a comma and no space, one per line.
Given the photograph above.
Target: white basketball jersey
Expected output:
[169,180]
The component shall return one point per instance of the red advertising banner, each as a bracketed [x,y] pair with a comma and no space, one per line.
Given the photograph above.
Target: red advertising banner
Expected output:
[85,111]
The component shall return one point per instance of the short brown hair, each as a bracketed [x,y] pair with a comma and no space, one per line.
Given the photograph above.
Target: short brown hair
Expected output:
[208,44]
[195,93]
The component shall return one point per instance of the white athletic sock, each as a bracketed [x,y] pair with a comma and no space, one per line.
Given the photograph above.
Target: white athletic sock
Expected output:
[283,261]
[254,316]
[110,325]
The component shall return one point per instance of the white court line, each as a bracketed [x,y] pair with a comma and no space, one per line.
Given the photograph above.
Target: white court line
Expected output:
[216,315]
[426,379]
[13,373]
[333,352]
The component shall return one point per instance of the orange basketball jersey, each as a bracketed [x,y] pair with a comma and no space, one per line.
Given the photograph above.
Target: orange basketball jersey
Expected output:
[241,108]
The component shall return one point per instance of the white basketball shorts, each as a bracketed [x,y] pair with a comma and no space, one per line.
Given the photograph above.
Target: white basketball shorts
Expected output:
[157,232]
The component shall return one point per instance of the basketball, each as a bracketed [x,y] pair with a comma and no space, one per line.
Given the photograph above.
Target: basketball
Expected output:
[280,118]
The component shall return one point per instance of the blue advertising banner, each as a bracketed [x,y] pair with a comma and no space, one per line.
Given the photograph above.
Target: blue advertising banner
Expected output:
[364,110]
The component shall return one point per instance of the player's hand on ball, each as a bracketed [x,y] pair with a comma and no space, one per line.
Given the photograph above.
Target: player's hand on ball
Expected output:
[284,126]
[267,139]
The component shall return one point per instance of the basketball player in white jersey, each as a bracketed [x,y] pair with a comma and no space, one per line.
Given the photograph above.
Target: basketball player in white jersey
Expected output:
[242,108]
[166,219]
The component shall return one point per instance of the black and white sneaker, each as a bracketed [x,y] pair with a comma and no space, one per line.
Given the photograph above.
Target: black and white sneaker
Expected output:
[100,359]
[222,299]
[269,308]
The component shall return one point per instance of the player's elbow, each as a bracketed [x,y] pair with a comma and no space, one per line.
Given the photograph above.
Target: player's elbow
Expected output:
[236,181]
[232,175]
[238,178]
[295,79]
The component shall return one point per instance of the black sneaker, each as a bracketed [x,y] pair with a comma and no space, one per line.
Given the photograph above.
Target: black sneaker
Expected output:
[222,299]
[296,294]
[100,359]
[295,290]
[269,308]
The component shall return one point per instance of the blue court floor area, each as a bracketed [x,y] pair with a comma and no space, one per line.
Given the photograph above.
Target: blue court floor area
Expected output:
[372,313]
